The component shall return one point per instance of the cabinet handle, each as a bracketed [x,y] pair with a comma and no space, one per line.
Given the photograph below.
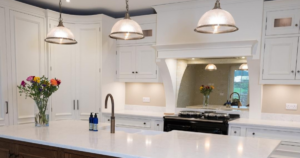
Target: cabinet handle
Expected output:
[77,104]
[11,154]
[6,107]
[253,133]
[74,104]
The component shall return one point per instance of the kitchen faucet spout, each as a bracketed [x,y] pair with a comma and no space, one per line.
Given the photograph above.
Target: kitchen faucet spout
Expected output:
[112,118]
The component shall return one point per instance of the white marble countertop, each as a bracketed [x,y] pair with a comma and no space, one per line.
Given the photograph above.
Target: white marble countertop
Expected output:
[74,135]
[266,123]
[159,115]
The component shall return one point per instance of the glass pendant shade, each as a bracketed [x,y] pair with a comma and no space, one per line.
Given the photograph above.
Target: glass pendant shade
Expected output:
[211,67]
[60,35]
[216,21]
[126,29]
[244,67]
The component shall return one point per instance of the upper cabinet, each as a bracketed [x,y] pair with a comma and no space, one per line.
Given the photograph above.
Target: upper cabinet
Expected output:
[280,59]
[280,55]
[283,22]
[136,64]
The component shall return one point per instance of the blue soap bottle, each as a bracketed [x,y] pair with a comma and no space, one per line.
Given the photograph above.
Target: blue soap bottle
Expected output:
[91,120]
[95,123]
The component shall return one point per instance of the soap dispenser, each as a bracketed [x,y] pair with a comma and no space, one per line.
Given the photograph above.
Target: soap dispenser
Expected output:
[95,123]
[91,120]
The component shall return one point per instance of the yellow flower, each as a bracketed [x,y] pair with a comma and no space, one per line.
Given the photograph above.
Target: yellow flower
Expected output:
[212,87]
[201,88]
[37,79]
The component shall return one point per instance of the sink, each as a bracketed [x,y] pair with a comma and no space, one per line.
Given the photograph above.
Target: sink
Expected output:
[134,131]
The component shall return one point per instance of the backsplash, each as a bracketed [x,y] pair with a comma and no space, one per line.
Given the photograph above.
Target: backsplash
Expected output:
[134,93]
[283,94]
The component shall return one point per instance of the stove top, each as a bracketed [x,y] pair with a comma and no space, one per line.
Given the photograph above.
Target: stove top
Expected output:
[207,116]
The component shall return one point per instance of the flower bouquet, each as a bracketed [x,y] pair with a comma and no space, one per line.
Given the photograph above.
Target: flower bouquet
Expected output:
[206,90]
[39,89]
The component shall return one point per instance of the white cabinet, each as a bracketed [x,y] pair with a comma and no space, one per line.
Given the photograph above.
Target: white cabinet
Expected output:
[5,112]
[235,131]
[28,58]
[139,122]
[137,62]
[149,31]
[273,134]
[78,68]
[283,22]
[280,57]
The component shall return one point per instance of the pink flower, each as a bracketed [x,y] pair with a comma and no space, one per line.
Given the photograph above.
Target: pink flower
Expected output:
[23,83]
[30,78]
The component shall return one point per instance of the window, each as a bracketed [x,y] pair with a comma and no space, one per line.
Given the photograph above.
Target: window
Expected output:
[241,85]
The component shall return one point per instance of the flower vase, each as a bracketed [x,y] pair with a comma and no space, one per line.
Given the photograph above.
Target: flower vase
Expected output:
[205,100]
[42,117]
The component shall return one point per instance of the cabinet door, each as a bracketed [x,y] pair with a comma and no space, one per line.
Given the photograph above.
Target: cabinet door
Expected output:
[298,63]
[280,58]
[6,149]
[145,62]
[87,69]
[27,151]
[28,59]
[4,111]
[62,59]
[126,62]
[283,22]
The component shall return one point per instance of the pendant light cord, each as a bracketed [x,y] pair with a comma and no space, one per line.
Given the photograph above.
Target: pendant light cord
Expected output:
[217,5]
[127,7]
[60,19]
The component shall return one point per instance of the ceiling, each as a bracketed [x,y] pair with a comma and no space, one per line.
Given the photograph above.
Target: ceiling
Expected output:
[113,8]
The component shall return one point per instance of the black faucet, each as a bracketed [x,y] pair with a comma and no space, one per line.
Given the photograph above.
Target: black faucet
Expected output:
[112,118]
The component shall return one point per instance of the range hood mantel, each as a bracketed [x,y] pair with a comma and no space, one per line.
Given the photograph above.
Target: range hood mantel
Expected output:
[207,50]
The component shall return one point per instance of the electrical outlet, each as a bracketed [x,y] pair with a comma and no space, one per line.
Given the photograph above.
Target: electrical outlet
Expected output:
[291,106]
[146,99]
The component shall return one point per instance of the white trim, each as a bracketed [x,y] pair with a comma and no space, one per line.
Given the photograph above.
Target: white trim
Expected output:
[207,50]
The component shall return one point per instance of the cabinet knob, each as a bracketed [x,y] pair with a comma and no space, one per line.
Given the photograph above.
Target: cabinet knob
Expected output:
[144,123]
[293,71]
[298,71]
[133,72]
[234,132]
[108,120]
[136,72]
[253,133]
[157,124]
[296,25]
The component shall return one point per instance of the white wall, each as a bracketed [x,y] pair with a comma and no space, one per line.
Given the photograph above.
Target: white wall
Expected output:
[109,68]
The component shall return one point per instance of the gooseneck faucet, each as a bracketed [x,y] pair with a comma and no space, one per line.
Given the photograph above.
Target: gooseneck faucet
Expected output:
[112,118]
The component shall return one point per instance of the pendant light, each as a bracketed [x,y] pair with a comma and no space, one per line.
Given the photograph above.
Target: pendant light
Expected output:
[244,67]
[211,67]
[127,29]
[216,21]
[60,34]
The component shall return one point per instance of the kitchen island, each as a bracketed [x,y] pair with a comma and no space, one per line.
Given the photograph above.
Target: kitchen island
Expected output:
[67,137]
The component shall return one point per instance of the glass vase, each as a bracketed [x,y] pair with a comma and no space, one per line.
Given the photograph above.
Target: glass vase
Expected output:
[205,100]
[42,117]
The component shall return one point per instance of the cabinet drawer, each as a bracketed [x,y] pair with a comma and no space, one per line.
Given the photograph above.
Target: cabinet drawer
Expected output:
[26,151]
[158,125]
[133,122]
[235,131]
[273,134]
